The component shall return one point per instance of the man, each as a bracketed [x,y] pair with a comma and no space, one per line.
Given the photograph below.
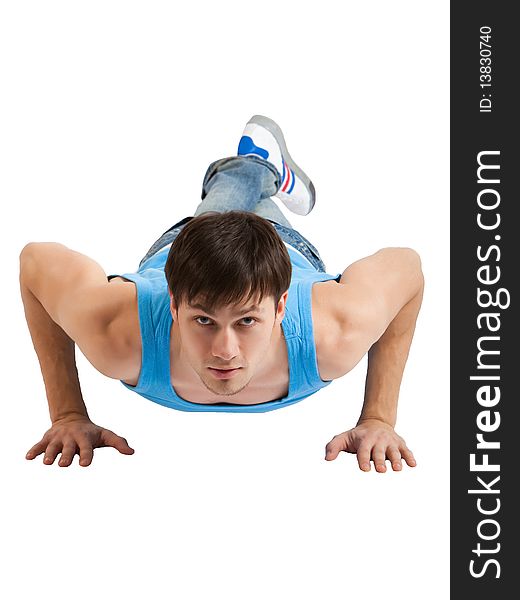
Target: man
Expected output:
[231,310]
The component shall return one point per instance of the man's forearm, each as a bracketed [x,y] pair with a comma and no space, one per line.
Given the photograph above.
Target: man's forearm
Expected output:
[386,362]
[56,354]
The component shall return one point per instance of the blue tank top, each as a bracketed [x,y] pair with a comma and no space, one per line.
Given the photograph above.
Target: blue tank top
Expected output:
[155,322]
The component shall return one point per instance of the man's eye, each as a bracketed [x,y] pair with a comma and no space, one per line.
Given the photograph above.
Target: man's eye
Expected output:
[250,319]
[197,319]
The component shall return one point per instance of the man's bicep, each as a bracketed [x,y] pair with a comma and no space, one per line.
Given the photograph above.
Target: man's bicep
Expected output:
[72,288]
[356,324]
[370,294]
[379,285]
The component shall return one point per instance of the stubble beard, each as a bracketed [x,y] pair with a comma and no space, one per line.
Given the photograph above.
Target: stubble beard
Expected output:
[220,392]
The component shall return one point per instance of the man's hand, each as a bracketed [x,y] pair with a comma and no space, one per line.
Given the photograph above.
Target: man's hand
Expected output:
[76,435]
[372,439]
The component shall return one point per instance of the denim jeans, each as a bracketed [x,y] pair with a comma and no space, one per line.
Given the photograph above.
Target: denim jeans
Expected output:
[243,183]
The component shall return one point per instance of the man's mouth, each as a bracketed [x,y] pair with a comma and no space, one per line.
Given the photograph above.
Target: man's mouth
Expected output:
[223,373]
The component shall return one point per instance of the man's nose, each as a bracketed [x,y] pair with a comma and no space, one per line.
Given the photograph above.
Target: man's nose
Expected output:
[225,344]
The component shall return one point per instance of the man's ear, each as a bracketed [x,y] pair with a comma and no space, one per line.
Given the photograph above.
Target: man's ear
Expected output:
[280,309]
[173,306]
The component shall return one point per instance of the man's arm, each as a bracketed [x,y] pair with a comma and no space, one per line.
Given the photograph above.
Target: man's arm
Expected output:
[62,293]
[378,309]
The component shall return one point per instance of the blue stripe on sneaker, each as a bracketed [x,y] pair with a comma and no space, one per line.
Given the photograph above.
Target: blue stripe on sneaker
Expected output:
[293,181]
[283,175]
[247,146]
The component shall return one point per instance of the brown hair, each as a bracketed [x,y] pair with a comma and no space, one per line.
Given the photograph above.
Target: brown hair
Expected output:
[226,258]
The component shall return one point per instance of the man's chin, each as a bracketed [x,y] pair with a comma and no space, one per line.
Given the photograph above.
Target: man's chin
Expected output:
[224,387]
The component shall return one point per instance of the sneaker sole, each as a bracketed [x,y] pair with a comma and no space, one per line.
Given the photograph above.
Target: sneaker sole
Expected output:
[275,130]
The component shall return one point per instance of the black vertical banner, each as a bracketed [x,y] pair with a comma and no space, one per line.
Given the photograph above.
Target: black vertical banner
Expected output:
[485,258]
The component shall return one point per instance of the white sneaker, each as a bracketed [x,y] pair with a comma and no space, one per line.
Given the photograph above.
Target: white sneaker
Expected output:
[263,137]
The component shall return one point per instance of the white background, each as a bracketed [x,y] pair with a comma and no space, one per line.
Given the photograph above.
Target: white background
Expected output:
[110,113]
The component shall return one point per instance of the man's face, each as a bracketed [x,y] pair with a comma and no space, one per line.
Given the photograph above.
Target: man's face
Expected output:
[227,348]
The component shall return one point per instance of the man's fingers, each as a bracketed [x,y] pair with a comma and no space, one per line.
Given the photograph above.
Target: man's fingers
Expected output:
[51,452]
[123,446]
[375,442]
[76,437]
[86,454]
[336,445]
[394,456]
[331,452]
[117,442]
[363,457]
[67,454]
[378,456]
[36,450]
[406,453]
